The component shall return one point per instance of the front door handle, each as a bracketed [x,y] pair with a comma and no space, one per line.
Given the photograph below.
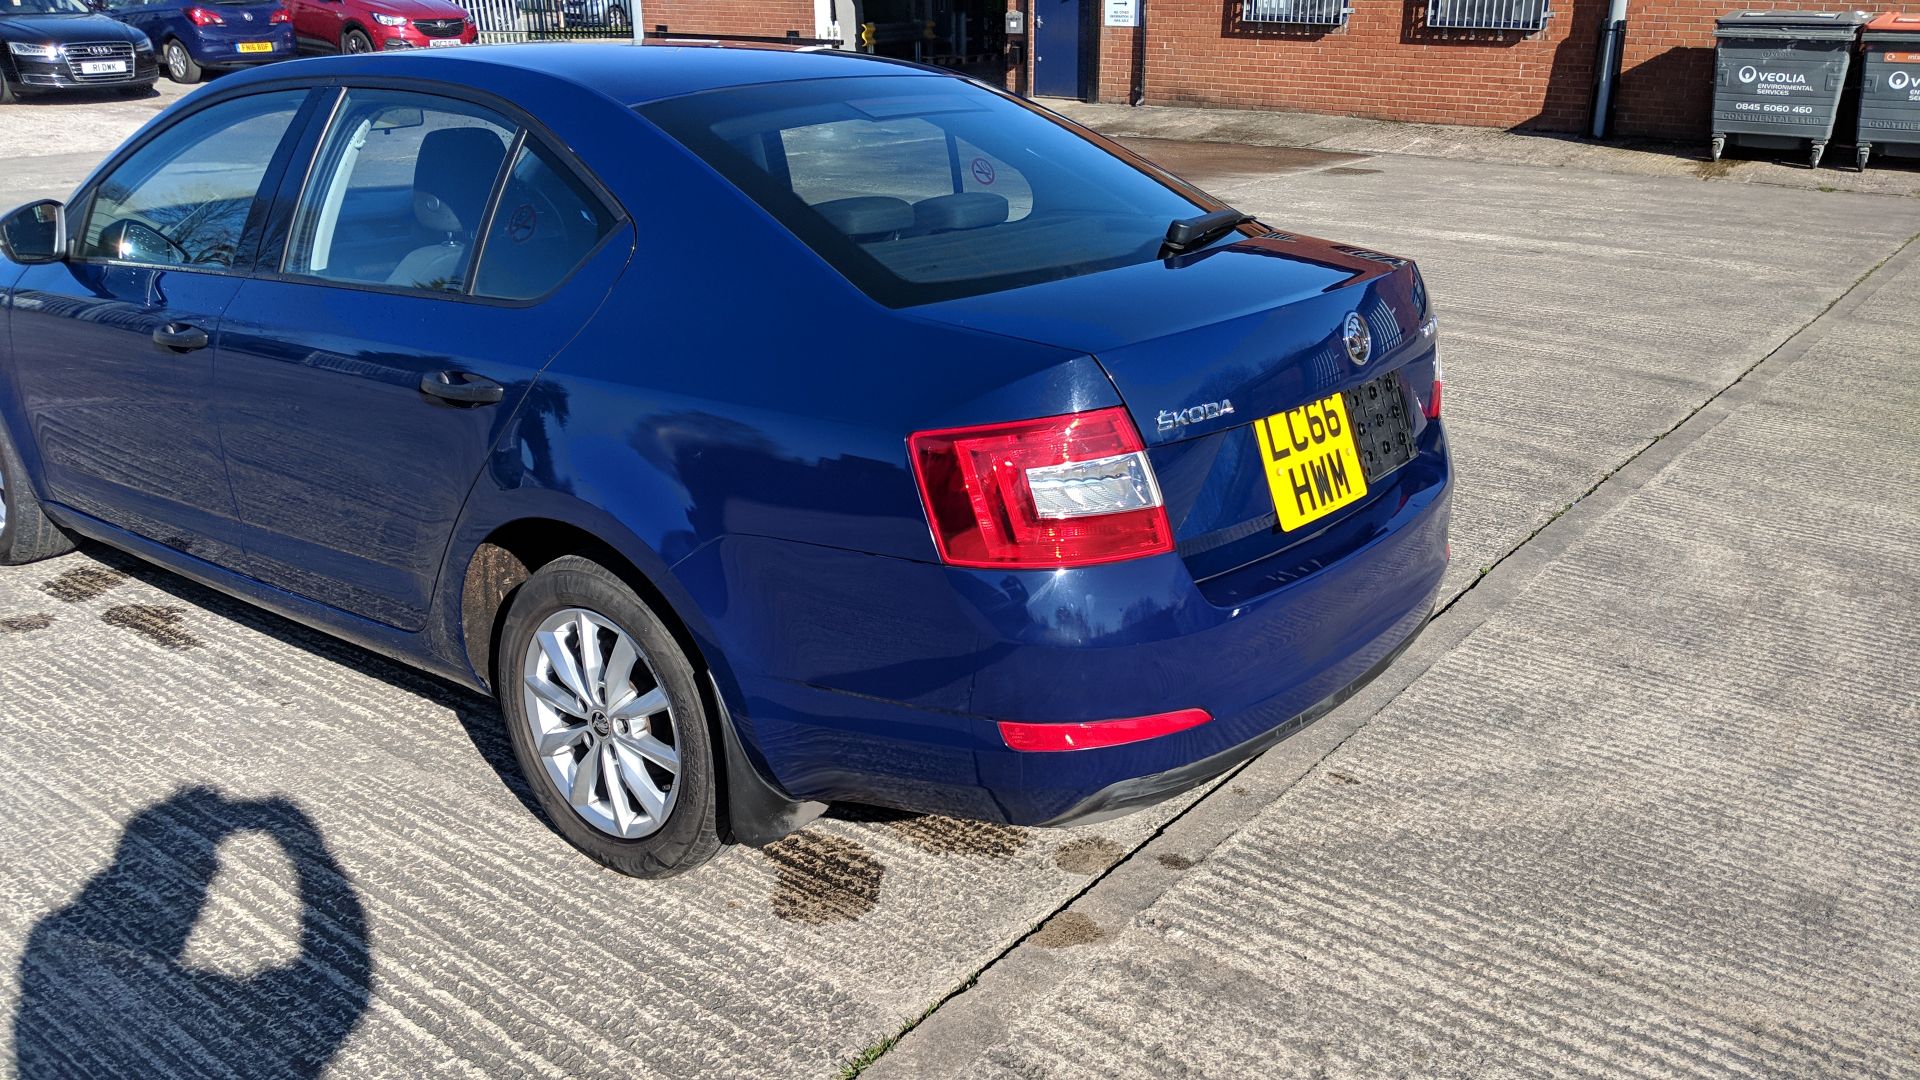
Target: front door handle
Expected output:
[180,337]
[460,388]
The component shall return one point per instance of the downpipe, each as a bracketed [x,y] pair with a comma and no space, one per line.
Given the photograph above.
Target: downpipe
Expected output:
[1138,97]
[1613,41]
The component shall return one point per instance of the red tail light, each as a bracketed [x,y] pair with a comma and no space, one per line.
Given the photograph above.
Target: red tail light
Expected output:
[1053,738]
[202,17]
[1041,494]
[1439,375]
[280,15]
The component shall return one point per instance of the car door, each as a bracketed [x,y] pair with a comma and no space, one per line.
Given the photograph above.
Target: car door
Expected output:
[317,24]
[364,381]
[114,348]
[139,14]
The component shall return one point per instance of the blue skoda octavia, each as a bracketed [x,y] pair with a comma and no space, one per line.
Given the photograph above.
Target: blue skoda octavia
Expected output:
[763,428]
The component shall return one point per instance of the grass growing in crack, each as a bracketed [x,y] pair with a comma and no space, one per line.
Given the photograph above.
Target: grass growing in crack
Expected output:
[864,1060]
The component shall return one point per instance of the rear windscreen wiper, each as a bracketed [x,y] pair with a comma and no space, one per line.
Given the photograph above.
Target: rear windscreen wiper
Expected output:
[1186,234]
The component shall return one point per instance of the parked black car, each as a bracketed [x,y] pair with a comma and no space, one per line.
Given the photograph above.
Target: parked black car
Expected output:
[63,45]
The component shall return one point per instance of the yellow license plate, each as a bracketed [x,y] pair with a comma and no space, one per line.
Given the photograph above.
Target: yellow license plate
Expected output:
[1312,466]
[256,46]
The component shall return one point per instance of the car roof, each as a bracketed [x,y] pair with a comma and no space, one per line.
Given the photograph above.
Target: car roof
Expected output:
[630,75]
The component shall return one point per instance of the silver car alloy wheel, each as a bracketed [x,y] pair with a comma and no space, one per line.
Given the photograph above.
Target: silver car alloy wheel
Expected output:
[601,723]
[177,61]
[3,498]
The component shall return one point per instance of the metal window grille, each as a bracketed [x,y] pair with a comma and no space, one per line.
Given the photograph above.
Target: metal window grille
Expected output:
[1295,12]
[1526,15]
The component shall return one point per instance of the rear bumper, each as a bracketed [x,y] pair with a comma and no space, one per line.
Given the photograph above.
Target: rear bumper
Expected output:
[866,679]
[220,48]
[1126,796]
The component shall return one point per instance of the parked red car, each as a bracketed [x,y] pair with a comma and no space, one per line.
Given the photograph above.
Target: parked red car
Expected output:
[360,26]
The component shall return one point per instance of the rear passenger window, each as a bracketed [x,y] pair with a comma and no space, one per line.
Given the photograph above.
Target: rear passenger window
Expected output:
[398,193]
[546,223]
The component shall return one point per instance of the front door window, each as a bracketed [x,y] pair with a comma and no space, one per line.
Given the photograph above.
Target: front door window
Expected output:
[184,198]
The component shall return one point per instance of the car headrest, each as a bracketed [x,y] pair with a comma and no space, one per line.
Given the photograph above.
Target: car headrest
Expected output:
[967,210]
[868,215]
[453,176]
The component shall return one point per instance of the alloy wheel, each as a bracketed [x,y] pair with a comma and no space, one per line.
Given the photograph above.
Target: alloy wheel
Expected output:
[177,61]
[602,724]
[3,498]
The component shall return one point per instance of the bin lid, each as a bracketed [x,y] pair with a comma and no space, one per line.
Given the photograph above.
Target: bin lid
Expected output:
[1897,23]
[1809,24]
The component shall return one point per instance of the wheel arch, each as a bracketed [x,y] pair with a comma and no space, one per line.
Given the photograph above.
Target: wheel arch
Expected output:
[512,551]
[752,809]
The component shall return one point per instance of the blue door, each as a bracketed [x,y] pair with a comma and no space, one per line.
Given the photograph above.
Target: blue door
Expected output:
[116,347]
[362,387]
[1056,48]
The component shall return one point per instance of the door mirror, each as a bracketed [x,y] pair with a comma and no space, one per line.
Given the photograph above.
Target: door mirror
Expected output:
[35,233]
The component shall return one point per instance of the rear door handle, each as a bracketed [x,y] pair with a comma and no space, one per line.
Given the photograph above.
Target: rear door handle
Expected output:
[180,337]
[460,388]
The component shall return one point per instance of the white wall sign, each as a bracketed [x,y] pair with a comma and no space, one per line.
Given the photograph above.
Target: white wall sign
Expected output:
[1123,12]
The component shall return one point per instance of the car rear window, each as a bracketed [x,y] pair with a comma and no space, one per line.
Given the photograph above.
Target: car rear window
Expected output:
[924,189]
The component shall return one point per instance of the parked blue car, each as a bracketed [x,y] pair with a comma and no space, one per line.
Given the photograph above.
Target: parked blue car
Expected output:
[197,36]
[763,428]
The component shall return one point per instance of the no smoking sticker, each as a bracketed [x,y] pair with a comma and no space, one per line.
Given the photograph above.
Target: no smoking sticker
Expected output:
[983,170]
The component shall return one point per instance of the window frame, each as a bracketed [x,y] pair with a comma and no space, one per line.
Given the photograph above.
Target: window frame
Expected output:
[269,222]
[270,265]
[246,250]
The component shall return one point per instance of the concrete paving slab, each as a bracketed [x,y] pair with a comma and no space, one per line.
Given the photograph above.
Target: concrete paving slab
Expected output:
[49,144]
[1655,816]
[339,784]
[1582,314]
[477,941]
[1358,134]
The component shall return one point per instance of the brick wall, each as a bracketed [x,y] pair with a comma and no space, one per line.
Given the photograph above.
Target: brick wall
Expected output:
[1385,63]
[758,17]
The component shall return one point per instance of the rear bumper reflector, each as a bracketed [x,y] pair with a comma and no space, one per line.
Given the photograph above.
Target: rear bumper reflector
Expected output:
[1053,738]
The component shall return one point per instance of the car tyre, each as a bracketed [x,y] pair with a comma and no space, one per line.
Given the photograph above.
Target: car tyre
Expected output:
[7,96]
[179,63]
[604,782]
[25,533]
[354,42]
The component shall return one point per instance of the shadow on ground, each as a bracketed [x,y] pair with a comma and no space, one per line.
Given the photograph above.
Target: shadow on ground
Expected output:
[479,716]
[105,990]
